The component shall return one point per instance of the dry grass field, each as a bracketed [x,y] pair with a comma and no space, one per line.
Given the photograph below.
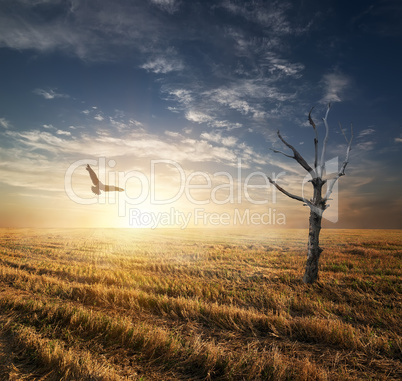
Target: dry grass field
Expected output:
[194,305]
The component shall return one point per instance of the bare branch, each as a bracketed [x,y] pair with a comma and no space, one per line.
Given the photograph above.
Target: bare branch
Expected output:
[332,181]
[330,187]
[296,155]
[311,120]
[343,132]
[346,161]
[285,192]
[276,151]
[315,139]
[324,144]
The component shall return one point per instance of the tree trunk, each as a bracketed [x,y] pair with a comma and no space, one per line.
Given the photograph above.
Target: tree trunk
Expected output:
[317,204]
[314,250]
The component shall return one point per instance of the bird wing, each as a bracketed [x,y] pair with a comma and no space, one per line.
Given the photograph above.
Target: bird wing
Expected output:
[99,185]
[96,190]
[111,188]
[93,176]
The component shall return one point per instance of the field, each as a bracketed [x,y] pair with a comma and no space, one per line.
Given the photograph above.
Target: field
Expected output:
[225,305]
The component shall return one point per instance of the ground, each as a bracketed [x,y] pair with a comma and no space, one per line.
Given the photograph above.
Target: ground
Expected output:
[132,304]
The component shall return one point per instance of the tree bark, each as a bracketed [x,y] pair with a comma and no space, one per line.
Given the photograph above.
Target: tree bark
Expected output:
[314,249]
[317,204]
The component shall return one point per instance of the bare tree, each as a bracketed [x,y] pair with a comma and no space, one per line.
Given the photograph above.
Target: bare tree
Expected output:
[318,203]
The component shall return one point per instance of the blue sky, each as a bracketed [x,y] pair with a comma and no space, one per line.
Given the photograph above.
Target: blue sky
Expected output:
[202,83]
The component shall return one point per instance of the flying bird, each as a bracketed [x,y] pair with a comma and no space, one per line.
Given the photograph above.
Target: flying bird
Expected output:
[98,185]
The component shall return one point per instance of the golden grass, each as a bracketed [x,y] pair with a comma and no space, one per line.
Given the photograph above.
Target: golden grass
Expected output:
[168,305]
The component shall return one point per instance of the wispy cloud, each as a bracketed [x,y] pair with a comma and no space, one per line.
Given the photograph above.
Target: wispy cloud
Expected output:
[134,144]
[170,6]
[131,140]
[172,134]
[5,123]
[366,132]
[365,146]
[90,30]
[335,86]
[269,15]
[217,137]
[163,65]
[49,94]
[123,125]
[155,41]
[183,96]
[226,125]
[29,33]
[365,141]
[198,116]
[62,132]
[282,66]
[248,96]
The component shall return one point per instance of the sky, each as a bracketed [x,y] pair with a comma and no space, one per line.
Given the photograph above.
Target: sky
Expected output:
[179,103]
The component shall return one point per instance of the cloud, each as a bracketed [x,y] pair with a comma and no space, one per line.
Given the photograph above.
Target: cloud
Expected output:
[22,34]
[248,96]
[137,32]
[135,123]
[92,30]
[271,16]
[163,65]
[198,117]
[49,94]
[35,139]
[62,132]
[99,117]
[172,134]
[364,142]
[5,123]
[234,100]
[133,143]
[275,17]
[118,124]
[170,6]
[365,146]
[213,147]
[224,124]
[398,140]
[335,85]
[201,117]
[282,66]
[183,96]
[218,138]
[366,132]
